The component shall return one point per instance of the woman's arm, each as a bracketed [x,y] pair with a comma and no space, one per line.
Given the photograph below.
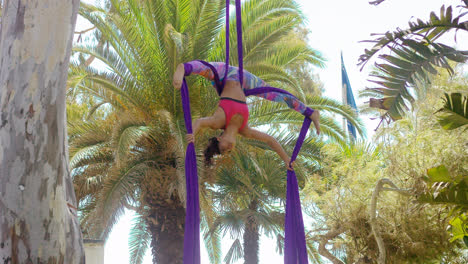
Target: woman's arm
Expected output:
[205,122]
[216,121]
[271,141]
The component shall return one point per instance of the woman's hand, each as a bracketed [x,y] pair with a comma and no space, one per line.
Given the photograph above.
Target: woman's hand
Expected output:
[290,164]
[178,76]
[190,138]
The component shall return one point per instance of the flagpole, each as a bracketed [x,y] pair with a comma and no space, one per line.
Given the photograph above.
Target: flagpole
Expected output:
[348,99]
[343,95]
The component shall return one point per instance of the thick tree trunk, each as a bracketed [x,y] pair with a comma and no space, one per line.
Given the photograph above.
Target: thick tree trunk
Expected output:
[251,237]
[166,224]
[38,220]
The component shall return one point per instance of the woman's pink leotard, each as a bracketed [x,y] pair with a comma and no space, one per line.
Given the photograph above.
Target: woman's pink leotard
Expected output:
[232,107]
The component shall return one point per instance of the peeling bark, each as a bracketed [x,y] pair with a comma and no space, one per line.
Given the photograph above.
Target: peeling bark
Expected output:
[38,221]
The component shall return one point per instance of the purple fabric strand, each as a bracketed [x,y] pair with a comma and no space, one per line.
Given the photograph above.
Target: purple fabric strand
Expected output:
[300,140]
[187,69]
[219,84]
[239,41]
[295,251]
[227,46]
[192,214]
[186,106]
[308,111]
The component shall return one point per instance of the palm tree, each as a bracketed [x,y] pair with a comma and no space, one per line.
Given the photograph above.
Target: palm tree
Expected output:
[409,56]
[132,158]
[248,187]
[249,195]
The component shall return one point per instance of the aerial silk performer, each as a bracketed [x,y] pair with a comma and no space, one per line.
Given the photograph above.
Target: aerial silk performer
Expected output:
[233,85]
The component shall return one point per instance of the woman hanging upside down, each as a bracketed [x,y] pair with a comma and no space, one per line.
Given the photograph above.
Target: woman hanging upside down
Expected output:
[232,114]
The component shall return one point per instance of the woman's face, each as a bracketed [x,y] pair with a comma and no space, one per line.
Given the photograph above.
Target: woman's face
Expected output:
[226,144]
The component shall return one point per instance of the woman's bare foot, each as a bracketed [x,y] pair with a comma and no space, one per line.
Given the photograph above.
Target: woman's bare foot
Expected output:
[178,76]
[315,117]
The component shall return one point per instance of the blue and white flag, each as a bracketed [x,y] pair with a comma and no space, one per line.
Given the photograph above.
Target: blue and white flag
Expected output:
[349,96]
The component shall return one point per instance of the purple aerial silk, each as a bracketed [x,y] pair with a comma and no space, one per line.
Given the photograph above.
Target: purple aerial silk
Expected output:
[239,42]
[192,214]
[221,85]
[295,251]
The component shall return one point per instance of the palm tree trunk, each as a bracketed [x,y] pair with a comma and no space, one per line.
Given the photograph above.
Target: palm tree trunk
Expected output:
[166,224]
[251,237]
[38,218]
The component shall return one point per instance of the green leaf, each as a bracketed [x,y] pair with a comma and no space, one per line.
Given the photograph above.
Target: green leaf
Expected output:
[454,113]
[439,174]
[459,228]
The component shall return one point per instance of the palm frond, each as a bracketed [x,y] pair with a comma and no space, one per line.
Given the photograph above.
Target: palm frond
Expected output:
[454,113]
[234,253]
[139,240]
[409,68]
[213,245]
[429,30]
[206,25]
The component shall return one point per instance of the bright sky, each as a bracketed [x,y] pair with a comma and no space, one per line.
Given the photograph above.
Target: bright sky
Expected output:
[336,26]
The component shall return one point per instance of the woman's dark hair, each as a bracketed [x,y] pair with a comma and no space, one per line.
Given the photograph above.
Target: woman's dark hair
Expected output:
[211,150]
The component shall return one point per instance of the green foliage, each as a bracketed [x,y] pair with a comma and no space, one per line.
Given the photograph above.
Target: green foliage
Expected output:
[445,189]
[337,197]
[244,179]
[413,228]
[460,228]
[409,56]
[454,113]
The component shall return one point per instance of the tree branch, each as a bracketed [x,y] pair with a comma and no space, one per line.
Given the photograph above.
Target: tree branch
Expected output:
[84,31]
[373,217]
[324,241]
